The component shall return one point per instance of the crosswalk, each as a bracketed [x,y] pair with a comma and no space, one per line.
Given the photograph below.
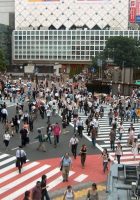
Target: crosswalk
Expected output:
[13,185]
[103,140]
[103,136]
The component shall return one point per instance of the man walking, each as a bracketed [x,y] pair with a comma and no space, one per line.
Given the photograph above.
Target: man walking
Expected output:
[112,136]
[24,135]
[66,165]
[93,134]
[80,126]
[20,158]
[110,116]
[73,144]
[41,140]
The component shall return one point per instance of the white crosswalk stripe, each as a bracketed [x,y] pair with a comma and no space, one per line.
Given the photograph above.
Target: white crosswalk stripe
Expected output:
[103,140]
[13,185]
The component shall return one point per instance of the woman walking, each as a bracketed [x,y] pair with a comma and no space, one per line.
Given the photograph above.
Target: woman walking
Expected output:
[6,139]
[49,133]
[105,158]
[92,193]
[69,194]
[135,146]
[118,152]
[83,153]
[44,188]
[121,130]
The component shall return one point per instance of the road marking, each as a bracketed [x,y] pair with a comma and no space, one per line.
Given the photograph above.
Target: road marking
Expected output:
[7,168]
[81,178]
[22,179]
[11,175]
[4,156]
[58,181]
[7,161]
[30,185]
[14,148]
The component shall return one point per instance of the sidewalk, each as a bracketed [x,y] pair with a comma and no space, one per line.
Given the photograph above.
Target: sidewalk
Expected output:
[81,191]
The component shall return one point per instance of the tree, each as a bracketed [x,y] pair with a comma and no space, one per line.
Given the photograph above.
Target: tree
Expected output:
[2,61]
[123,51]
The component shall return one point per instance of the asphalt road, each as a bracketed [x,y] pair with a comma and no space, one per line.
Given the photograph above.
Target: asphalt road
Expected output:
[51,152]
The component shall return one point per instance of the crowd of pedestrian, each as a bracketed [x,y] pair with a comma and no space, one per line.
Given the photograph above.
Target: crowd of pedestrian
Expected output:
[47,98]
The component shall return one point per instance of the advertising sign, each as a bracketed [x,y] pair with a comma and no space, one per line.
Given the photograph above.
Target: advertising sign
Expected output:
[132,12]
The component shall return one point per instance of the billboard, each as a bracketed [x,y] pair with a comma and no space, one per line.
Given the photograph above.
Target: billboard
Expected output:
[132,11]
[37,1]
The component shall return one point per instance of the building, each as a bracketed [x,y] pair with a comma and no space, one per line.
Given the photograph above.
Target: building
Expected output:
[67,32]
[7,10]
[5,42]
[57,14]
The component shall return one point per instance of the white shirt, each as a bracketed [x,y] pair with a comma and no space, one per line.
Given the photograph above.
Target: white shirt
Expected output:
[74,140]
[6,137]
[20,153]
[4,111]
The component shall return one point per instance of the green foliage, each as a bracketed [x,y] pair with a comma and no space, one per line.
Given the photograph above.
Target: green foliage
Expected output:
[2,61]
[123,50]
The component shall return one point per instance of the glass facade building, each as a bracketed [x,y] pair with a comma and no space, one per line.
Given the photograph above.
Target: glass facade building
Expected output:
[63,45]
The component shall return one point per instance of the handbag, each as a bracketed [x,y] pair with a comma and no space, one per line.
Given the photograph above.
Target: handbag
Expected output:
[24,159]
[62,164]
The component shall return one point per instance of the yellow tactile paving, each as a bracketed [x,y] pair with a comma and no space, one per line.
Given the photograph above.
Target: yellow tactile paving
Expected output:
[82,193]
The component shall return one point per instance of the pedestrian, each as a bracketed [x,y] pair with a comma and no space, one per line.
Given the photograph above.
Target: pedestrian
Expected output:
[44,188]
[48,113]
[112,136]
[24,135]
[49,133]
[41,140]
[92,193]
[93,133]
[80,126]
[56,132]
[65,166]
[106,159]
[73,144]
[12,127]
[69,193]
[6,139]
[121,130]
[31,123]
[118,152]
[110,116]
[16,124]
[83,153]
[36,192]
[135,148]
[20,158]
[27,195]
[4,114]
[7,126]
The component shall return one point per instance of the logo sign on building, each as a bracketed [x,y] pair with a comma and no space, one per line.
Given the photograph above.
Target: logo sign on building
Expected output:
[132,12]
[137,11]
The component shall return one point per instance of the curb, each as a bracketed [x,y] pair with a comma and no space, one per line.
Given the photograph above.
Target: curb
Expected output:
[76,188]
